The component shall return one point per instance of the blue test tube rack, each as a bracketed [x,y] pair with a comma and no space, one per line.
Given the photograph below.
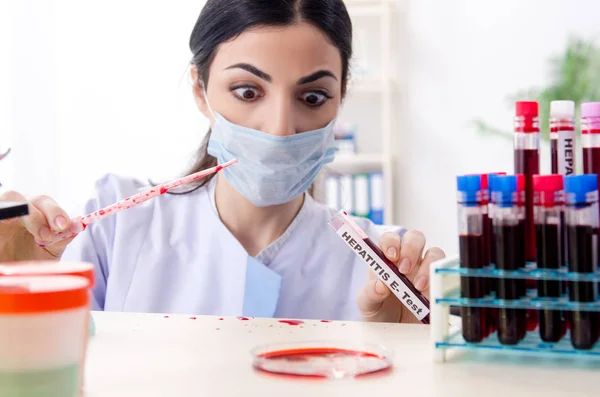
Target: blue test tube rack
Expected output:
[445,292]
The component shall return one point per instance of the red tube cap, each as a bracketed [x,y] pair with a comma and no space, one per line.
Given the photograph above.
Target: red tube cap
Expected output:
[527,108]
[548,183]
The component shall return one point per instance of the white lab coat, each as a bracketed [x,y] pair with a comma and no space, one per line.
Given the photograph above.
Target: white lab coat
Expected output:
[173,254]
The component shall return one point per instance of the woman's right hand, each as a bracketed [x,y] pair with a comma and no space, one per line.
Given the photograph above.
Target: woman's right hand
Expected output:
[19,237]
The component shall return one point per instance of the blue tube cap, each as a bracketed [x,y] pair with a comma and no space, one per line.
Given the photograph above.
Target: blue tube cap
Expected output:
[504,190]
[469,189]
[580,188]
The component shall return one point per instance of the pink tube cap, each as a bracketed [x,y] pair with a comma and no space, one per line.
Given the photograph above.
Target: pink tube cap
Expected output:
[548,183]
[526,109]
[590,109]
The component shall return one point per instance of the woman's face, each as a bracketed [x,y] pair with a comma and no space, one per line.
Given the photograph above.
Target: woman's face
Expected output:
[281,81]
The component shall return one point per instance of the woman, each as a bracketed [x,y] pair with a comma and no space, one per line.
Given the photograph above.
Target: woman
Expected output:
[270,76]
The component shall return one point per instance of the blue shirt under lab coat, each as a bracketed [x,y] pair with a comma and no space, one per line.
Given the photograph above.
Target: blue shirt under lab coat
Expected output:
[173,254]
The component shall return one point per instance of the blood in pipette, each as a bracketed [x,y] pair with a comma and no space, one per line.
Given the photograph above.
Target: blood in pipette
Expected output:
[291,322]
[584,325]
[243,318]
[509,256]
[163,190]
[552,324]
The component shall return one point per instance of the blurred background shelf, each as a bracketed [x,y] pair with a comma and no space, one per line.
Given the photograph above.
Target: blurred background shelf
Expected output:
[358,163]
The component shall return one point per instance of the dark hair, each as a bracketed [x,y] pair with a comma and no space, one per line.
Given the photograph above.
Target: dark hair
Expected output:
[222,20]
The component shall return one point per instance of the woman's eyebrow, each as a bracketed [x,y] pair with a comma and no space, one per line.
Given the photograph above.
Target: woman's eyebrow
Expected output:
[252,69]
[316,76]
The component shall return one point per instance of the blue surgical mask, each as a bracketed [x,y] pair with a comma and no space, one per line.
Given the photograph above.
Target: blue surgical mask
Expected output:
[272,169]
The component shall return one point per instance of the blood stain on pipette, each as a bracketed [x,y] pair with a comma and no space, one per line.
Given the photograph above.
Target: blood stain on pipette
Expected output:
[325,321]
[163,190]
[101,212]
[243,318]
[291,322]
[193,318]
[221,319]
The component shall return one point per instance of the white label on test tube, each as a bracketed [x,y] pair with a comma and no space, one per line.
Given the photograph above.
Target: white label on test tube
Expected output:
[566,152]
[382,271]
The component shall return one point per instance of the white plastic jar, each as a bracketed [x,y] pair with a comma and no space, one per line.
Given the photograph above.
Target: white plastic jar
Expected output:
[43,324]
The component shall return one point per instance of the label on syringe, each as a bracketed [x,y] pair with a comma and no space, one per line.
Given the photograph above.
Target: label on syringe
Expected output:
[383,272]
[566,152]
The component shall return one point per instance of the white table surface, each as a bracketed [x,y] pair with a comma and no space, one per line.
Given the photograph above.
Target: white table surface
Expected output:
[147,355]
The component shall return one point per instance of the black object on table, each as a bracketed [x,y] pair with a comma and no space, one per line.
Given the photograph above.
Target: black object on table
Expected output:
[13,210]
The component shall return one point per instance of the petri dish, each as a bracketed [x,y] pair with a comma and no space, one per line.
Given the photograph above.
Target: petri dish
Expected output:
[322,359]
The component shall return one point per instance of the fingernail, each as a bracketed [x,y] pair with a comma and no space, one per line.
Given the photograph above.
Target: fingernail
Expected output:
[392,253]
[61,222]
[380,287]
[44,232]
[420,282]
[404,265]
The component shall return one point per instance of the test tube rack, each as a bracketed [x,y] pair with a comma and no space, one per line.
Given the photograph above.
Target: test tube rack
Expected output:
[445,292]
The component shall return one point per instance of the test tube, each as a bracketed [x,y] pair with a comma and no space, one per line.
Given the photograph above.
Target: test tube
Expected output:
[527,162]
[562,137]
[471,244]
[590,137]
[510,247]
[487,181]
[548,205]
[582,224]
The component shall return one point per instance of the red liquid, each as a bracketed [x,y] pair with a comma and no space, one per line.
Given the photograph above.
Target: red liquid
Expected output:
[305,355]
[527,162]
[291,322]
[584,325]
[591,160]
[554,155]
[474,319]
[401,276]
[325,321]
[243,318]
[510,256]
[552,324]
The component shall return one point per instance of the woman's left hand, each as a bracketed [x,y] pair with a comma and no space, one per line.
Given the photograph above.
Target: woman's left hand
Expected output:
[375,300]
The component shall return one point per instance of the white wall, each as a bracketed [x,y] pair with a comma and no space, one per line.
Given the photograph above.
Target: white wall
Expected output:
[463,57]
[113,73]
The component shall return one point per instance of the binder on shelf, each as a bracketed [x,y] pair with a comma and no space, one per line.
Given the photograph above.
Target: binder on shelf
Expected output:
[376,198]
[347,193]
[332,192]
[361,195]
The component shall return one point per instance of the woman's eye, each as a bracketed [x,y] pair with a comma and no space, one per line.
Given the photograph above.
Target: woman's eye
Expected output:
[314,98]
[246,93]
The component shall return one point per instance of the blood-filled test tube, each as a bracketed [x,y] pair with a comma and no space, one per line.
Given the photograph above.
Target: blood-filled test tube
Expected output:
[527,162]
[470,230]
[531,314]
[510,247]
[487,182]
[548,210]
[590,137]
[562,137]
[582,224]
